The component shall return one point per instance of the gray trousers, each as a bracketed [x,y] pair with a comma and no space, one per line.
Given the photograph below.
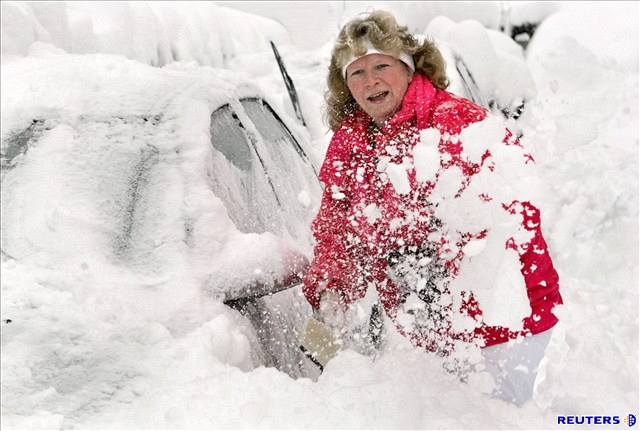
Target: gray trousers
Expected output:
[514,366]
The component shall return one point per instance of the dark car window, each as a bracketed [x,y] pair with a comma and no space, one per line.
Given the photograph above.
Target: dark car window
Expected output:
[230,138]
[287,165]
[238,176]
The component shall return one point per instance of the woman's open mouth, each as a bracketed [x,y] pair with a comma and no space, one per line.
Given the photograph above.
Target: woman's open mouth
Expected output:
[378,97]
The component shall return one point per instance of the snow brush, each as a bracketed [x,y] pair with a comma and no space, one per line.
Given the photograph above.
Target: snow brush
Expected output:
[318,343]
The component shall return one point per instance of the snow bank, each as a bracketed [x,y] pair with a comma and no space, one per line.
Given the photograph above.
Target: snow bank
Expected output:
[327,17]
[617,44]
[154,33]
[94,343]
[532,12]
[495,61]
[585,123]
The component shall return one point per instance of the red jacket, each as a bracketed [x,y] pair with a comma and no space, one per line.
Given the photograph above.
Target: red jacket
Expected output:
[363,218]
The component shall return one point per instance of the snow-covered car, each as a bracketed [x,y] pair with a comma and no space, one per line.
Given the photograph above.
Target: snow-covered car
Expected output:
[484,65]
[175,178]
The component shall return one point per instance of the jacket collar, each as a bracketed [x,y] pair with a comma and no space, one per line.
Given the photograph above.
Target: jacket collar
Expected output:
[415,104]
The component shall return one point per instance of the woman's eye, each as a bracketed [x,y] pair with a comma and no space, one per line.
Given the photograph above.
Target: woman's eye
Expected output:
[356,72]
[381,66]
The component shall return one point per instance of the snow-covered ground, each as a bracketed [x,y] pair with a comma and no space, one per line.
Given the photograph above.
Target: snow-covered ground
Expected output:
[93,343]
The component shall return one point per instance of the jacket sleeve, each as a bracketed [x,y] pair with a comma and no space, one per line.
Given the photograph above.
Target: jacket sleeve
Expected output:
[540,277]
[539,274]
[537,268]
[334,263]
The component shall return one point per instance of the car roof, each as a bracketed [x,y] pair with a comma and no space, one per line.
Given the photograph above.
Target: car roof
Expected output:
[101,85]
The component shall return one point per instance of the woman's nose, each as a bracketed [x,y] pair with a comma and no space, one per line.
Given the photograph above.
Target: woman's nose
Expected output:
[371,79]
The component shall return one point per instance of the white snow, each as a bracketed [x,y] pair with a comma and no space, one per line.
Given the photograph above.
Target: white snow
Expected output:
[448,185]
[155,33]
[474,247]
[98,340]
[478,136]
[399,177]
[372,213]
[426,155]
[496,62]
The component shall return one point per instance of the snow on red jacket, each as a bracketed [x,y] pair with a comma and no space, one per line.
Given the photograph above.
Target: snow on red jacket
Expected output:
[363,218]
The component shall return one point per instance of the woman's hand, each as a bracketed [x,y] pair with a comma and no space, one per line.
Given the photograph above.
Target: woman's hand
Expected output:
[331,310]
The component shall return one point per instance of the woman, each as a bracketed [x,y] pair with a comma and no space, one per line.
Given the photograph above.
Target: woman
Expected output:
[383,221]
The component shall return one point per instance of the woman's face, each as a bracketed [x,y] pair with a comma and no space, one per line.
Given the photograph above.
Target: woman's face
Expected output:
[378,83]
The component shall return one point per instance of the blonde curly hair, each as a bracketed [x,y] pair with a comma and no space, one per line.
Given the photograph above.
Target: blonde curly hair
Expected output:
[385,34]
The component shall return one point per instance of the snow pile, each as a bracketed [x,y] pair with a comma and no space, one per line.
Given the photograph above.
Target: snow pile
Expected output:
[154,33]
[531,12]
[617,43]
[102,340]
[585,121]
[495,62]
[312,24]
